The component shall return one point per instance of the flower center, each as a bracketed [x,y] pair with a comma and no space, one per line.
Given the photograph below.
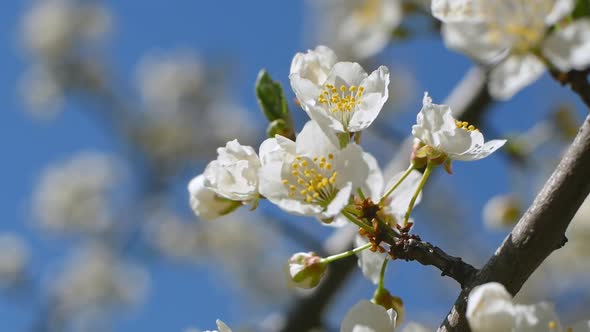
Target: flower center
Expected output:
[312,180]
[341,99]
[521,20]
[465,125]
[366,12]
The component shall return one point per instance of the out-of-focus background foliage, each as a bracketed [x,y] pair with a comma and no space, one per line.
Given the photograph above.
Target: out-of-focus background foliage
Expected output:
[109,108]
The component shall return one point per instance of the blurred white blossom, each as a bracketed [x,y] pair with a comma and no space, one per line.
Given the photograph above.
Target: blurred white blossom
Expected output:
[14,257]
[515,36]
[236,243]
[41,91]
[572,261]
[490,308]
[502,211]
[52,28]
[167,83]
[188,111]
[356,28]
[95,279]
[72,196]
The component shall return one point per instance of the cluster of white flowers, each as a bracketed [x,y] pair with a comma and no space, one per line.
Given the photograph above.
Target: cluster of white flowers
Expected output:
[491,308]
[59,34]
[73,196]
[53,27]
[95,279]
[186,110]
[324,173]
[518,36]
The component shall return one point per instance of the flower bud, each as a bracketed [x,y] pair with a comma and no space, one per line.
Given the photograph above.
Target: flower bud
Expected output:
[306,269]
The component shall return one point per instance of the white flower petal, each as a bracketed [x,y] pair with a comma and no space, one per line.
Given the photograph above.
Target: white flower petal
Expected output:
[346,73]
[338,202]
[376,94]
[314,65]
[476,40]
[399,200]
[455,10]
[513,74]
[490,309]
[569,48]
[314,141]
[373,187]
[222,327]
[561,9]
[534,318]
[309,72]
[234,174]
[370,262]
[204,202]
[482,151]
[367,317]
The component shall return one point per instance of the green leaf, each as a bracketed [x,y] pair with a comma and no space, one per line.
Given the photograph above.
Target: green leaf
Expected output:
[279,127]
[271,98]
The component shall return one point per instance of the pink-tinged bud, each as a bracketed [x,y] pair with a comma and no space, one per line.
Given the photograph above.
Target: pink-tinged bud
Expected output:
[306,269]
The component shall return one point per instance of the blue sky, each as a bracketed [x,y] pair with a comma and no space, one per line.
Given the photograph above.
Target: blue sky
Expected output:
[257,34]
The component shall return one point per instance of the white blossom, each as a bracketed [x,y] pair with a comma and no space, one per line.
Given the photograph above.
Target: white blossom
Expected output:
[312,176]
[41,91]
[510,33]
[52,27]
[234,174]
[221,327]
[366,316]
[205,202]
[339,96]
[435,127]
[359,28]
[95,279]
[169,82]
[569,48]
[394,209]
[14,256]
[502,211]
[72,196]
[491,308]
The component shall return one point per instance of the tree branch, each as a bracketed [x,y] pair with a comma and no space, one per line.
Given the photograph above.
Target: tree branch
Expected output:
[577,80]
[413,249]
[540,230]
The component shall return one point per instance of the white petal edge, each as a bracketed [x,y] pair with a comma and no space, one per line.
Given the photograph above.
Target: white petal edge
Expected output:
[513,74]
[569,48]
